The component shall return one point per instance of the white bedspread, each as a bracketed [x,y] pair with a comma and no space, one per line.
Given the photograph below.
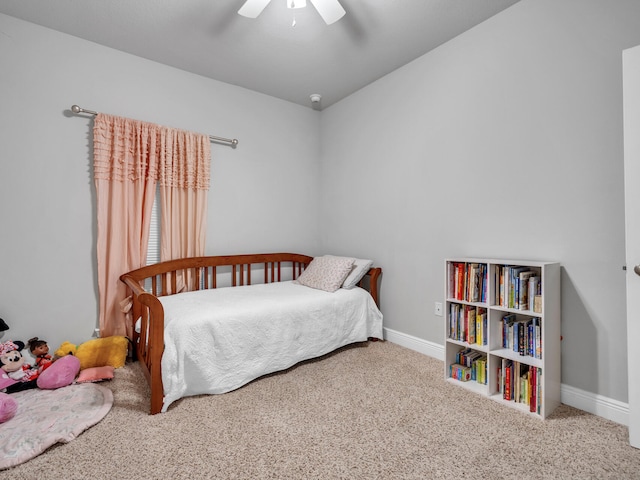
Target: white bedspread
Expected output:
[218,340]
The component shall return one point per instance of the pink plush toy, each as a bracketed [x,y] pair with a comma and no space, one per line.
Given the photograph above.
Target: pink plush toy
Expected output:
[15,375]
[60,373]
[8,407]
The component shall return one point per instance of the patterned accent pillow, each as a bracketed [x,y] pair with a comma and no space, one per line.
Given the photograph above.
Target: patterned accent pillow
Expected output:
[326,273]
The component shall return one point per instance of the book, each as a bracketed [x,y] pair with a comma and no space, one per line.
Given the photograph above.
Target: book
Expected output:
[460,354]
[450,278]
[522,378]
[472,285]
[467,357]
[507,326]
[533,286]
[503,279]
[483,283]
[533,379]
[477,284]
[516,381]
[459,281]
[481,370]
[471,336]
[514,286]
[539,392]
[464,295]
[453,314]
[522,337]
[508,379]
[507,286]
[524,386]
[531,337]
[537,304]
[469,319]
[460,372]
[514,340]
[481,327]
[523,289]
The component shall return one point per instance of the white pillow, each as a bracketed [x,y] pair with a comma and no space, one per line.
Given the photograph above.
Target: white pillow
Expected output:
[360,267]
[326,273]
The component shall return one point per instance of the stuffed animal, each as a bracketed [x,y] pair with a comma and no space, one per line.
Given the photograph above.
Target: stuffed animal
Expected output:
[8,407]
[97,352]
[40,351]
[13,367]
[59,374]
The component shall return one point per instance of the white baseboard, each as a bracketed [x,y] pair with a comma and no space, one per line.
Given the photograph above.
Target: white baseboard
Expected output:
[604,407]
[589,402]
[434,350]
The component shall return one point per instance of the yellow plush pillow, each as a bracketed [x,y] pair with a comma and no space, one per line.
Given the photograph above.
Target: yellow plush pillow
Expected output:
[98,352]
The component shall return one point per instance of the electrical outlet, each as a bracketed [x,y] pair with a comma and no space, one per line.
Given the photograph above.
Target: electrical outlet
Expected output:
[438,309]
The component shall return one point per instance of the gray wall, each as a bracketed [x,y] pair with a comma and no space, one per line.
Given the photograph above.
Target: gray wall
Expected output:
[264,195]
[505,142]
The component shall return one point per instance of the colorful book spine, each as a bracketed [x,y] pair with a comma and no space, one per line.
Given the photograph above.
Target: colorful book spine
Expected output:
[508,385]
[533,387]
[533,286]
[460,372]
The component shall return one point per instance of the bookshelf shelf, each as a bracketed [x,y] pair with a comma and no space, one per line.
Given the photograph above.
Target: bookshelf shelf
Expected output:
[473,386]
[502,331]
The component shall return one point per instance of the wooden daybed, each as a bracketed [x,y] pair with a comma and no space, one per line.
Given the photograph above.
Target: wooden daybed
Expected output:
[264,273]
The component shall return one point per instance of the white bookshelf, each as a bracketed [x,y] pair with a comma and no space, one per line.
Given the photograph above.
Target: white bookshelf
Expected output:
[536,354]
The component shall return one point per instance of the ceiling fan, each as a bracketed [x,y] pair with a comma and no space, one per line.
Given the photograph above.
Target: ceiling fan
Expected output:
[330,10]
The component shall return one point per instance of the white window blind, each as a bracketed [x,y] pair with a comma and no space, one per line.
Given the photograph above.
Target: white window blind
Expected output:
[153,246]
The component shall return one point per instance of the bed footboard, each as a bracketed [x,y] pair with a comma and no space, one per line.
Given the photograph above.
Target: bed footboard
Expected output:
[199,273]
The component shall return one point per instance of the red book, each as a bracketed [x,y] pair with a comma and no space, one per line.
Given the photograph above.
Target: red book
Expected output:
[507,382]
[533,387]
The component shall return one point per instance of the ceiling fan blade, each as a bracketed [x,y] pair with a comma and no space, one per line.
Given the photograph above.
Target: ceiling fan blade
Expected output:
[330,10]
[253,8]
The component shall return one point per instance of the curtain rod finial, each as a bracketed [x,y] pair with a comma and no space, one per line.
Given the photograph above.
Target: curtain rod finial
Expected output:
[75,109]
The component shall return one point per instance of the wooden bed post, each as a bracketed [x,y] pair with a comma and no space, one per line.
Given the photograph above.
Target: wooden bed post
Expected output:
[374,274]
[151,348]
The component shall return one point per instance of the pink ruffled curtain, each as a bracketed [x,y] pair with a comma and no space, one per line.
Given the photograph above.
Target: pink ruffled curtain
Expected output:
[130,157]
[184,181]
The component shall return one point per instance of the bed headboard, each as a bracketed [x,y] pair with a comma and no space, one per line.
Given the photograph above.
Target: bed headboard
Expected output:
[199,273]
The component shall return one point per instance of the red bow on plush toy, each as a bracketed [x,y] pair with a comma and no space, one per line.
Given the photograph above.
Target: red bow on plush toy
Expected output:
[8,347]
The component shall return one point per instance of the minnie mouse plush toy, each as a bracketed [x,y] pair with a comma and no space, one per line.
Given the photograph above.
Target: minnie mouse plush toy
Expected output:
[18,374]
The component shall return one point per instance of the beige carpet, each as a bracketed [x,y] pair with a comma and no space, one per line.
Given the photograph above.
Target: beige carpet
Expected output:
[371,411]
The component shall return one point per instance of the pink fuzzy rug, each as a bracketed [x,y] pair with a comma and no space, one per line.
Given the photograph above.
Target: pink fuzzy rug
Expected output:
[46,417]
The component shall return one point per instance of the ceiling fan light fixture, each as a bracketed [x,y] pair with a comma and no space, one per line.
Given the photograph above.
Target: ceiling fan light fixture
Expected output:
[296,3]
[330,10]
[253,8]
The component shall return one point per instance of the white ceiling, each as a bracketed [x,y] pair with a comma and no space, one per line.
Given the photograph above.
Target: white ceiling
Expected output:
[267,54]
